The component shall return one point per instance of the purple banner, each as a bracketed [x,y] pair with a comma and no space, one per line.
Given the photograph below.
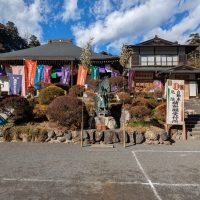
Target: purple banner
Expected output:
[114,73]
[131,75]
[66,75]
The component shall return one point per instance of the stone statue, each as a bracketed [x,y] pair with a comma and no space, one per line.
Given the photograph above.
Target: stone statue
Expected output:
[101,97]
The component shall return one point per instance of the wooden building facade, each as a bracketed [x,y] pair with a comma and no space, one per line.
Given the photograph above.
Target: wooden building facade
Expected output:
[158,60]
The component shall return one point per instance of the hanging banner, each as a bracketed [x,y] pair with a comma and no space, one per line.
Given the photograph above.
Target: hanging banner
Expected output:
[19,70]
[15,84]
[175,102]
[157,84]
[94,73]
[114,73]
[47,74]
[30,69]
[39,76]
[2,70]
[131,77]
[82,74]
[66,75]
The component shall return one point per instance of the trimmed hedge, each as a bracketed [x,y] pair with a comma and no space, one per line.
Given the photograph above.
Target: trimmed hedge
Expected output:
[48,94]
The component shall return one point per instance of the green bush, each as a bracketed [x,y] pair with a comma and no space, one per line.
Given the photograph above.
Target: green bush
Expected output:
[48,94]
[16,108]
[67,111]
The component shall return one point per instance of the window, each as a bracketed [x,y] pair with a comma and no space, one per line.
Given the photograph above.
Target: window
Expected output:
[150,60]
[169,60]
[144,60]
[147,60]
[175,60]
[158,60]
[163,60]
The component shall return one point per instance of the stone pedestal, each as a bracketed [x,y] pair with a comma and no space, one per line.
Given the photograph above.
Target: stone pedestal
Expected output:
[109,122]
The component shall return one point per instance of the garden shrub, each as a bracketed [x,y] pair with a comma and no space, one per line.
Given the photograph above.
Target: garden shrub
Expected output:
[48,94]
[67,111]
[16,108]
[139,112]
[40,111]
[76,91]
[160,112]
[124,96]
[92,84]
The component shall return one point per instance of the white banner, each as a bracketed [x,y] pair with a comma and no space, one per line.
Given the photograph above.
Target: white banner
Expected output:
[175,102]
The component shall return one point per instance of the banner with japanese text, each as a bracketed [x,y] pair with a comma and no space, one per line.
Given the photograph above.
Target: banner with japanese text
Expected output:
[30,69]
[175,102]
[82,74]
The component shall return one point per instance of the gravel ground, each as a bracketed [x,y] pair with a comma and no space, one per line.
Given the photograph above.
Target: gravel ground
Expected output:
[66,171]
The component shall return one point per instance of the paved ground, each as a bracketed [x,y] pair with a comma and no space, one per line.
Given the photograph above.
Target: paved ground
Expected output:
[63,171]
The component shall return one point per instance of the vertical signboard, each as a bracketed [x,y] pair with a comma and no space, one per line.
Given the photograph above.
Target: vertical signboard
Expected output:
[175,102]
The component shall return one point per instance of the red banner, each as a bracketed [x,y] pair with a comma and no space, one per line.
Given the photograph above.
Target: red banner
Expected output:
[30,69]
[82,74]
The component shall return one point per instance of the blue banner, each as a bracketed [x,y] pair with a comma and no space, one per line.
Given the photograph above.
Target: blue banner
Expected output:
[39,76]
[15,84]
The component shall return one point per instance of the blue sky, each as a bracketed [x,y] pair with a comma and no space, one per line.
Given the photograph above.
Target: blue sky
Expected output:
[109,22]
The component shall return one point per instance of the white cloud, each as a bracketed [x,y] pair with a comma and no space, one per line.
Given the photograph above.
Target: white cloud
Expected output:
[71,11]
[101,8]
[129,23]
[179,32]
[27,17]
[131,19]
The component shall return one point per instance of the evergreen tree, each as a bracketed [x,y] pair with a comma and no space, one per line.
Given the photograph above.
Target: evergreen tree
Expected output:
[34,42]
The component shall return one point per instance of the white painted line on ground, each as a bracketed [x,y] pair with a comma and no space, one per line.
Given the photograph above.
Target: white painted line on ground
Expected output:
[146,176]
[178,184]
[100,183]
[156,151]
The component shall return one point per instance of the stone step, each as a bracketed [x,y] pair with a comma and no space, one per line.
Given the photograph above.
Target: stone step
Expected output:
[193,125]
[194,132]
[194,129]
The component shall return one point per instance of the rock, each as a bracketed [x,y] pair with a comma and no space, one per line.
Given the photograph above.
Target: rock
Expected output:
[48,140]
[68,135]
[150,135]
[132,137]
[85,135]
[54,141]
[115,137]
[167,142]
[1,133]
[61,139]
[125,116]
[108,137]
[110,122]
[156,142]
[139,138]
[149,141]
[121,136]
[86,142]
[75,134]
[91,133]
[99,136]
[164,136]
[59,133]
[51,134]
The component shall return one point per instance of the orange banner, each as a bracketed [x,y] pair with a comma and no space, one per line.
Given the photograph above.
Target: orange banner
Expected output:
[82,74]
[30,69]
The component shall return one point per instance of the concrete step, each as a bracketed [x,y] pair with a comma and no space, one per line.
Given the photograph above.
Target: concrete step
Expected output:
[194,132]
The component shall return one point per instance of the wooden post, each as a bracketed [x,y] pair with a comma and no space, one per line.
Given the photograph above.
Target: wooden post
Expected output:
[184,132]
[82,124]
